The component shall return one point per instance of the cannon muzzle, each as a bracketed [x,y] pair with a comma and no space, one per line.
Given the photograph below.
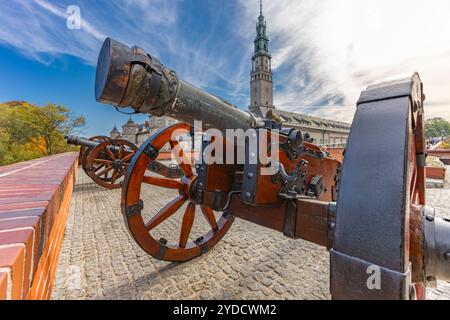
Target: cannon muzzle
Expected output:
[129,77]
[80,141]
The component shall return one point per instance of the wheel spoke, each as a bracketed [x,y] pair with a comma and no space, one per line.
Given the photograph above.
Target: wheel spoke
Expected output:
[99,167]
[110,153]
[182,160]
[161,169]
[119,154]
[114,176]
[128,156]
[104,171]
[163,182]
[104,161]
[123,169]
[209,216]
[165,212]
[186,226]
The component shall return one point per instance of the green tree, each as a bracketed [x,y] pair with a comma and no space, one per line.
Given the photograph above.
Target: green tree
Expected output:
[28,131]
[437,127]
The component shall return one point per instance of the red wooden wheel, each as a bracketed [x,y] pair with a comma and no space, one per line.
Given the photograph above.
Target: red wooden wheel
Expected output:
[417,202]
[84,151]
[133,209]
[380,207]
[107,163]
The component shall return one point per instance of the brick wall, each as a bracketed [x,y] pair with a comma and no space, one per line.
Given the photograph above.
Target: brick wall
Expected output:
[34,204]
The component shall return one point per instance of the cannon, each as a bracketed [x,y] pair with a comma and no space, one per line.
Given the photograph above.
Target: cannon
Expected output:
[369,211]
[84,150]
[106,160]
[103,159]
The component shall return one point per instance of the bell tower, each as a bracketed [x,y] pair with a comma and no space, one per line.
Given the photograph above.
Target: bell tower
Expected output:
[261,85]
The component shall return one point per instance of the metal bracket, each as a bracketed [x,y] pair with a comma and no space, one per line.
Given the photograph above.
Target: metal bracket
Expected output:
[151,152]
[315,154]
[135,209]
[356,279]
[251,173]
[293,146]
[316,187]
[203,248]
[290,219]
[217,200]
[421,160]
[331,221]
[159,255]
[155,85]
[293,184]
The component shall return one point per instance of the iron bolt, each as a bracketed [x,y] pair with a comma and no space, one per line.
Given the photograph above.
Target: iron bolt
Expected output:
[250,175]
[248,195]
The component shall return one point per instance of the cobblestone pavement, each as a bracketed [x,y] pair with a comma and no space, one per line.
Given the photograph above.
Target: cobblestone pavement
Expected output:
[99,260]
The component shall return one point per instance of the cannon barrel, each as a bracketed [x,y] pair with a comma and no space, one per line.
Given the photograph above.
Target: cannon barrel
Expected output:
[129,77]
[80,141]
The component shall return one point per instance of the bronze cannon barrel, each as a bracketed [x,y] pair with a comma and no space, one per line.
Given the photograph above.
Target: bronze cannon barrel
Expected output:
[129,77]
[80,141]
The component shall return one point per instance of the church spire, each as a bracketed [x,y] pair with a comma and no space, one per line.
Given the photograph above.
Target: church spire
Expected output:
[261,74]
[261,40]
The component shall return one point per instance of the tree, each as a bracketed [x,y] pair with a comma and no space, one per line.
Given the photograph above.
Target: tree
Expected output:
[28,131]
[437,127]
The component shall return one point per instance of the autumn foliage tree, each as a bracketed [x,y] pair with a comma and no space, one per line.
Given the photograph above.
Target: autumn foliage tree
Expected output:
[437,127]
[29,131]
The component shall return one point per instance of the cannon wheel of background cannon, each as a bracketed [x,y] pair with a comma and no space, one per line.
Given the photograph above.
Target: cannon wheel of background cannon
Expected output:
[377,250]
[84,151]
[107,163]
[132,205]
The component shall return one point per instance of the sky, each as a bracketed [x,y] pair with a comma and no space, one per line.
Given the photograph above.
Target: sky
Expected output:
[324,52]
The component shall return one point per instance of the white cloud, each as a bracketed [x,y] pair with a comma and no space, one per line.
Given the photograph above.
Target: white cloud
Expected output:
[324,52]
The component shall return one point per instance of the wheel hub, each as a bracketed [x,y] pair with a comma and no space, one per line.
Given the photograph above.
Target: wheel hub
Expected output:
[117,163]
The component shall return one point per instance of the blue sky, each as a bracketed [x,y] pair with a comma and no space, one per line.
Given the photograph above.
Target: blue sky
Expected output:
[325,52]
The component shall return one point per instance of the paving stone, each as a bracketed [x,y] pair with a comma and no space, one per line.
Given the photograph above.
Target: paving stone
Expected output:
[251,262]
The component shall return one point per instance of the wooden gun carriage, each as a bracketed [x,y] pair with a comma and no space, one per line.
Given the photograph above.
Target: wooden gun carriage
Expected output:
[106,160]
[369,210]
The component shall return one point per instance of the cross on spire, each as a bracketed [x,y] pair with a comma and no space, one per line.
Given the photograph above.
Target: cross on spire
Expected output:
[260,7]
